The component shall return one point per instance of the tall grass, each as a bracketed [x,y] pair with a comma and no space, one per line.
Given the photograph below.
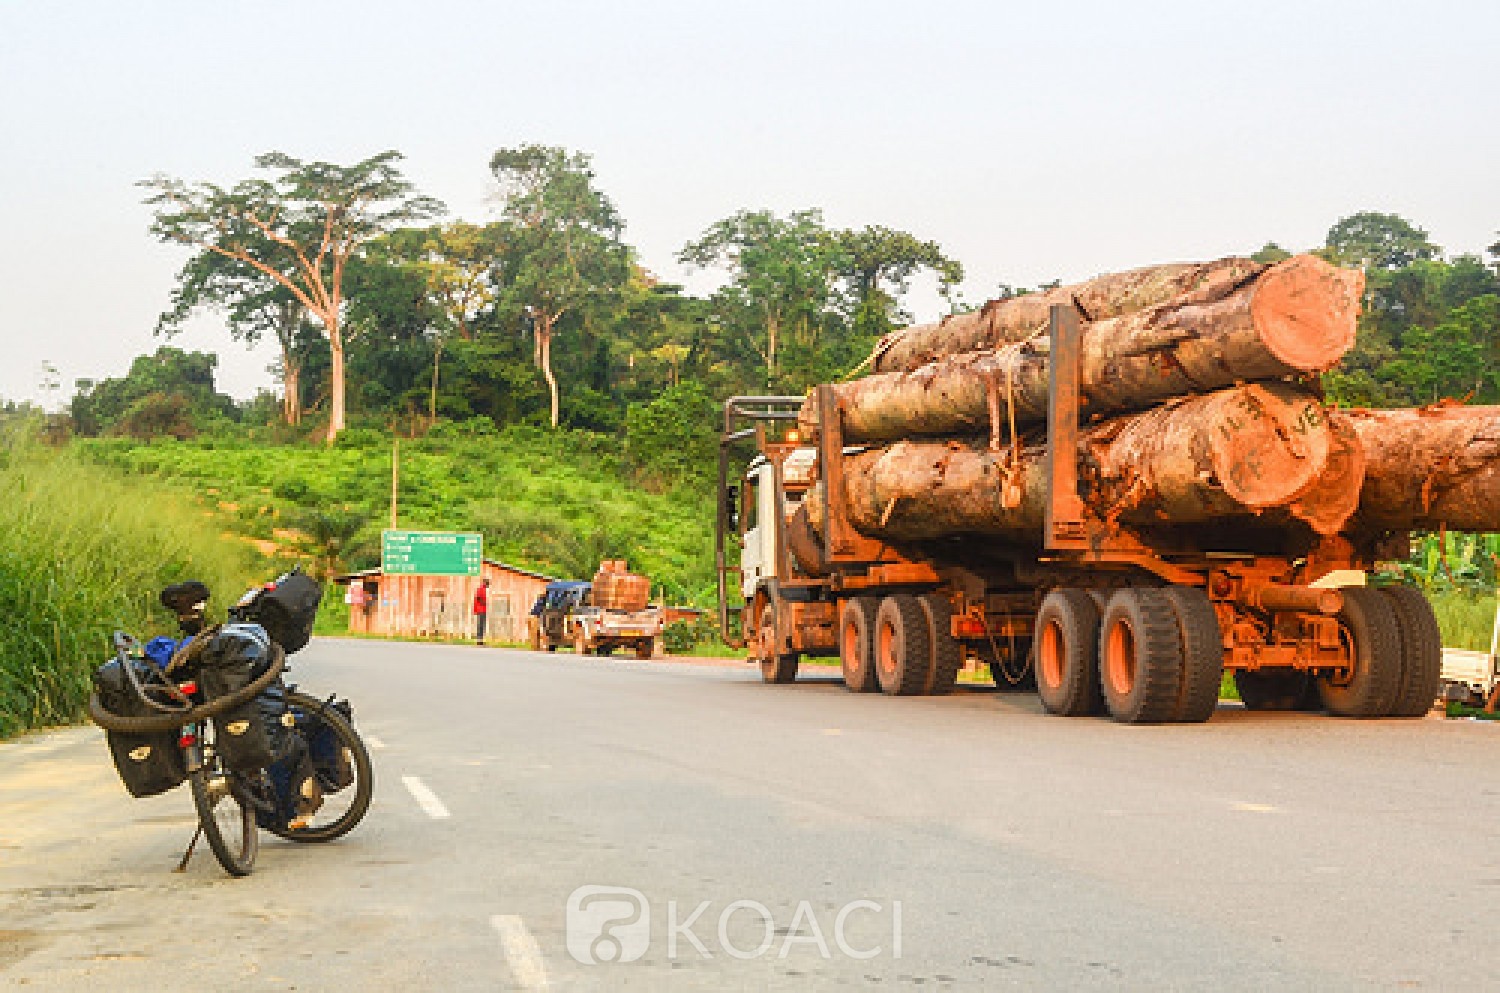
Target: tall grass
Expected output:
[83,552]
[1465,617]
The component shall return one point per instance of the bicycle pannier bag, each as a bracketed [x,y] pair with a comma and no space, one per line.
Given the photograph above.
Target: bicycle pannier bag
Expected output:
[288,609]
[238,655]
[148,764]
[332,762]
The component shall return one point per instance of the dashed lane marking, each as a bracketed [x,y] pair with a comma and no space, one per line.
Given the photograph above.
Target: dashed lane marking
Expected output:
[521,951]
[426,799]
[373,741]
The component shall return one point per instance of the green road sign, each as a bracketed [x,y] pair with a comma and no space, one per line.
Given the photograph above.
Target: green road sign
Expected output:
[431,553]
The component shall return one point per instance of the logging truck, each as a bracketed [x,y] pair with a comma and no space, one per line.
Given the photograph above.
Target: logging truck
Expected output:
[1137,613]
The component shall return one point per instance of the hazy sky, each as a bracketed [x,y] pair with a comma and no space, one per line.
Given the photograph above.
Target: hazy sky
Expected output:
[1033,141]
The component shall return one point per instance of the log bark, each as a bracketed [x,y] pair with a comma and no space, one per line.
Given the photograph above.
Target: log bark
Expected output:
[1294,318]
[1430,467]
[1002,322]
[1234,453]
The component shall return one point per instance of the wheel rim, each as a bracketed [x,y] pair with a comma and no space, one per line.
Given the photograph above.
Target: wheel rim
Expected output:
[1119,658]
[1049,654]
[849,645]
[885,653]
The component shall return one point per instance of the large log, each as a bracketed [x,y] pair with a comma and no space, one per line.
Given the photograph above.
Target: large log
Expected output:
[1293,318]
[1430,467]
[1241,451]
[1002,322]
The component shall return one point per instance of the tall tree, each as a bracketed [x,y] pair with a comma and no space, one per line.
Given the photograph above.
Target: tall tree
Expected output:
[782,275]
[253,305]
[564,243]
[298,229]
[1372,240]
[878,264]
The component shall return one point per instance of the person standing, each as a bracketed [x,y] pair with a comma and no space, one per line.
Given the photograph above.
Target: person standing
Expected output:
[481,609]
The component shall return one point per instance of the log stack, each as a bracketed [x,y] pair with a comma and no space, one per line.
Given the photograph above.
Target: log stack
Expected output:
[1198,387]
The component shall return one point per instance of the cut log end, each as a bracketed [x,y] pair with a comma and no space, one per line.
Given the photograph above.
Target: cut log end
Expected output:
[1305,310]
[1334,497]
[1270,444]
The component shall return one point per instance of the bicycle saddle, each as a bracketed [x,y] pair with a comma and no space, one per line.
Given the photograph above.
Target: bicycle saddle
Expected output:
[186,600]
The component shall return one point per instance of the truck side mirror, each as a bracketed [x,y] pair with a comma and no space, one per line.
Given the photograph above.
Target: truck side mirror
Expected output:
[732,508]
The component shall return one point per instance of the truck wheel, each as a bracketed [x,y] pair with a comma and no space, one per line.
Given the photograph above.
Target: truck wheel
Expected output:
[604,651]
[1065,651]
[856,644]
[1140,656]
[947,655]
[1202,654]
[1274,689]
[903,650]
[775,667]
[1421,651]
[1368,625]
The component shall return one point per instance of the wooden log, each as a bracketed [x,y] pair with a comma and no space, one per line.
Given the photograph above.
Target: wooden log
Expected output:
[1293,318]
[1430,467]
[1003,322]
[1237,452]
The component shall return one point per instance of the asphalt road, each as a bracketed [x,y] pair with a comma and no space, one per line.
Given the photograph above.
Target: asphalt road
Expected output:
[969,842]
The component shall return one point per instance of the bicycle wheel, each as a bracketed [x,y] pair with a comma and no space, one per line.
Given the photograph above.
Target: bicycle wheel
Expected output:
[340,812]
[227,817]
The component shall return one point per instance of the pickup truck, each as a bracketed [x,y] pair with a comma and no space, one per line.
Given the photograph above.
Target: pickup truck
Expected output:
[565,615]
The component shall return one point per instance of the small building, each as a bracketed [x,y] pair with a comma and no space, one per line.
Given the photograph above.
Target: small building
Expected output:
[440,606]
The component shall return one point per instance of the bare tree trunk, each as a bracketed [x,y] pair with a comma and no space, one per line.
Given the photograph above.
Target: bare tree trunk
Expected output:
[291,382]
[544,324]
[336,378]
[1431,467]
[773,332]
[1002,322]
[1294,318]
[1236,453]
[437,356]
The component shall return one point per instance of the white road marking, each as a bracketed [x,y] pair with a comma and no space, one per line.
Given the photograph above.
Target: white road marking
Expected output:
[426,799]
[1253,808]
[521,951]
[373,741]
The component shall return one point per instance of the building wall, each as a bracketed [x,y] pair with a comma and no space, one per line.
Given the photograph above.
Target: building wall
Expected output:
[439,606]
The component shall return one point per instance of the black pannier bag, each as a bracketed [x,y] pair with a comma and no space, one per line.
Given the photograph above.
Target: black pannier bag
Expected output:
[237,656]
[148,764]
[296,791]
[288,609]
[329,757]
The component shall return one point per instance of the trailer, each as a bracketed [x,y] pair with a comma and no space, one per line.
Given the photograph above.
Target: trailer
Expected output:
[1139,619]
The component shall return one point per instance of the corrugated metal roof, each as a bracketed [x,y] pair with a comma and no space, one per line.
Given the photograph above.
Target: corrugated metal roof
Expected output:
[350,577]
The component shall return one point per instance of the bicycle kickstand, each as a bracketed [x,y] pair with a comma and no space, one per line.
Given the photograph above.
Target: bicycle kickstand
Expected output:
[182,866]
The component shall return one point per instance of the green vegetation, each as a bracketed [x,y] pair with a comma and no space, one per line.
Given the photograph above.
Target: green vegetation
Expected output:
[553,501]
[84,552]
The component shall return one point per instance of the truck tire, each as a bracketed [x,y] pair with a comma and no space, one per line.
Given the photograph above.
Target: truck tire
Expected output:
[903,648]
[1202,654]
[856,644]
[1140,656]
[1009,676]
[1368,621]
[947,654]
[1421,651]
[1066,653]
[1276,689]
[775,667]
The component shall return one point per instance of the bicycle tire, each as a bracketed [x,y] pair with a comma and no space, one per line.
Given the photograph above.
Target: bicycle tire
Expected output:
[237,859]
[364,781]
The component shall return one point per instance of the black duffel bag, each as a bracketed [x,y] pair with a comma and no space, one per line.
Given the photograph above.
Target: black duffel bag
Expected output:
[236,657]
[287,609]
[148,764]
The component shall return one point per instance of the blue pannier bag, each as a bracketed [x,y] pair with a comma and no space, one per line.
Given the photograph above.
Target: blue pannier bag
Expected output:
[296,793]
[160,650]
